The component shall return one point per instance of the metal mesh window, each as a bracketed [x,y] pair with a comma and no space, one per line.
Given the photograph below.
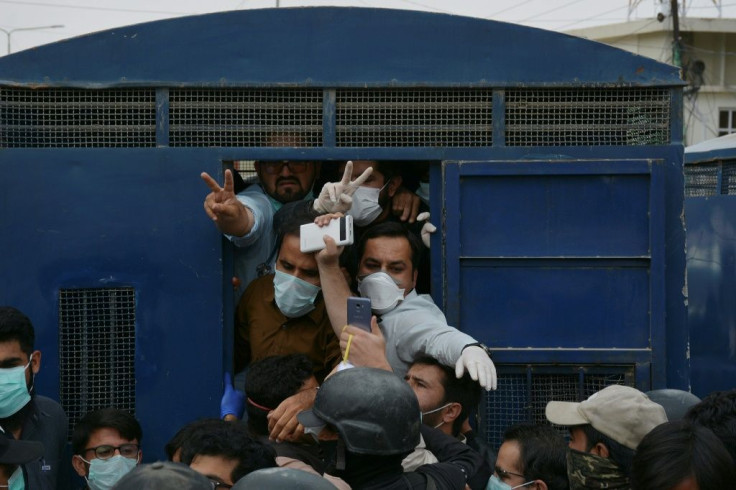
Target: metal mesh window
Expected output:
[523,393]
[587,117]
[430,117]
[728,178]
[96,350]
[77,118]
[701,180]
[245,117]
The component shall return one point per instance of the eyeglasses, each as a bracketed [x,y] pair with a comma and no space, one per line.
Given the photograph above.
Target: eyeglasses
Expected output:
[106,451]
[218,484]
[275,168]
[505,474]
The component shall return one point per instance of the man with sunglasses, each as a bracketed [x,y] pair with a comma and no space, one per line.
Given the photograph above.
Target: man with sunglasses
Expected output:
[530,457]
[106,446]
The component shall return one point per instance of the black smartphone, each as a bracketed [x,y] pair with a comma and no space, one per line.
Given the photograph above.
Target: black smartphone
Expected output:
[359,313]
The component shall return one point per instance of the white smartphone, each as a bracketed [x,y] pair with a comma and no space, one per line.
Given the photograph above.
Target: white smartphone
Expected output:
[340,229]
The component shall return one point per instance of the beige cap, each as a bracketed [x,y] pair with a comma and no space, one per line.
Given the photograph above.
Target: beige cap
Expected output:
[622,413]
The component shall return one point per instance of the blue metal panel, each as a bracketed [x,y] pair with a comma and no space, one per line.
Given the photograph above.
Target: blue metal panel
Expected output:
[711,276]
[564,255]
[81,218]
[331,47]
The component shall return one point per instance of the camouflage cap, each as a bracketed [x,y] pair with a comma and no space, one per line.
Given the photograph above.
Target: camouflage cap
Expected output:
[622,413]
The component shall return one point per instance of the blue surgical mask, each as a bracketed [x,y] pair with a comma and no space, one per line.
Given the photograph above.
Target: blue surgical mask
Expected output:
[294,297]
[15,482]
[496,484]
[14,393]
[104,473]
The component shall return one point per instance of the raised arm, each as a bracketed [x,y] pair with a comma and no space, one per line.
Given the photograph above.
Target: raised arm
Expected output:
[335,288]
[230,215]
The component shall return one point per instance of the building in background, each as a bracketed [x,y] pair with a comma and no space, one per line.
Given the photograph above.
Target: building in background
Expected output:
[707,58]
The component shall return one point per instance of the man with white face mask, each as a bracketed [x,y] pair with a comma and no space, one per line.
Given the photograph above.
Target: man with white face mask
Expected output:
[106,445]
[446,403]
[412,325]
[23,413]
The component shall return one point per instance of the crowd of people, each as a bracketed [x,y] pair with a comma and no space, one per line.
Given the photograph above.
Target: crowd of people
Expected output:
[319,403]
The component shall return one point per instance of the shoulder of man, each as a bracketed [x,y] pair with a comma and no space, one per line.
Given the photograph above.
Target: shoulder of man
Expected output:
[48,407]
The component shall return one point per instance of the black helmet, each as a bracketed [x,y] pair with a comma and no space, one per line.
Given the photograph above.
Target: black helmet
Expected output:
[278,478]
[374,411]
[675,402]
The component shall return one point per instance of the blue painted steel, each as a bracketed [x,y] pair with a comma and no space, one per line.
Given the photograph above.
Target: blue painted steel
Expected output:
[162,117]
[95,218]
[567,255]
[711,276]
[605,226]
[331,47]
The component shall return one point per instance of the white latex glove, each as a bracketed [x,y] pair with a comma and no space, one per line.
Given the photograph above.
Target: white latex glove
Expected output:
[337,197]
[427,229]
[479,366]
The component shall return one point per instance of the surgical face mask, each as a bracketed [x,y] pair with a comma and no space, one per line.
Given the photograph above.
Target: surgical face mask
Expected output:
[14,393]
[104,473]
[15,482]
[496,484]
[435,411]
[423,192]
[294,297]
[365,208]
[381,288]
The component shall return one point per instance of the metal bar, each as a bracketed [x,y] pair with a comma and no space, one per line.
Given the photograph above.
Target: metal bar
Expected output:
[162,117]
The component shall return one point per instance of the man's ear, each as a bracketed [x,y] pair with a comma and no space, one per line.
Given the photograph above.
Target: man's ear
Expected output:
[393,185]
[35,361]
[600,449]
[540,485]
[79,466]
[452,412]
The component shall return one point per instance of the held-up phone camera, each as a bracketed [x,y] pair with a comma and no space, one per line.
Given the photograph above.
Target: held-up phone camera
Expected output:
[340,229]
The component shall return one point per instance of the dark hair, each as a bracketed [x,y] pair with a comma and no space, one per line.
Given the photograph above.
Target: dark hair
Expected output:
[14,325]
[270,381]
[392,229]
[717,411]
[105,418]
[542,454]
[229,440]
[183,435]
[464,391]
[618,453]
[674,451]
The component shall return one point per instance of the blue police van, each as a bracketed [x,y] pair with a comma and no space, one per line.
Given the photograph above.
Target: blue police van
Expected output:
[556,183]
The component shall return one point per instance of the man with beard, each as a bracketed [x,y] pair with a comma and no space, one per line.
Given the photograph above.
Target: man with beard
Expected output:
[247,218]
[23,413]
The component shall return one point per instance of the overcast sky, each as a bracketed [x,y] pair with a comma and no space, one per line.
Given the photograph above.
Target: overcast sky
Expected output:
[84,16]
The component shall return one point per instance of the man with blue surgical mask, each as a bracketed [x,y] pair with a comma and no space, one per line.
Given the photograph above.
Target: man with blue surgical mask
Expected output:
[24,414]
[106,445]
[284,313]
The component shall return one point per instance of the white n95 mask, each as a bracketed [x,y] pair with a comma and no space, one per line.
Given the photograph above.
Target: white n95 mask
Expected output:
[365,208]
[381,288]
